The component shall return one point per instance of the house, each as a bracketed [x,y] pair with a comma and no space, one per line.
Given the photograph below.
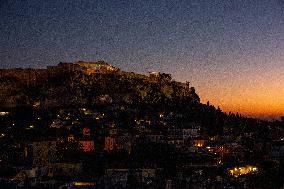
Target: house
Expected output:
[109,143]
[197,142]
[87,145]
[175,133]
[116,177]
[86,131]
[178,143]
[26,176]
[156,138]
[111,131]
[235,150]
[70,138]
[44,152]
[144,175]
[191,133]
[119,177]
[64,169]
[123,142]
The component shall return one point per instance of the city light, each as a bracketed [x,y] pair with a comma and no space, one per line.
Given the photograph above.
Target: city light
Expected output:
[84,183]
[4,113]
[238,171]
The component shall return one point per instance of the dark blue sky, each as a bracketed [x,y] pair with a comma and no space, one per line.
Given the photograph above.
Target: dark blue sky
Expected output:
[217,45]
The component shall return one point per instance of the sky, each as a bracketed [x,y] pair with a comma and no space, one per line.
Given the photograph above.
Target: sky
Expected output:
[232,51]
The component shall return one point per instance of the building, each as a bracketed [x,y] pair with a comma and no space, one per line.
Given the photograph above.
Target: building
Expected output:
[175,133]
[117,177]
[70,138]
[87,145]
[64,169]
[123,142]
[191,133]
[144,175]
[96,67]
[109,143]
[156,138]
[198,142]
[86,131]
[44,152]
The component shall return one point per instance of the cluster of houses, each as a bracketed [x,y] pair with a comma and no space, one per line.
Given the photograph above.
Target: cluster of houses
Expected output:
[41,161]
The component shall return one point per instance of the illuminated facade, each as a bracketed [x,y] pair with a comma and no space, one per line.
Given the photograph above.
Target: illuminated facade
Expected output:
[197,142]
[238,171]
[109,143]
[86,131]
[97,67]
[70,138]
[87,145]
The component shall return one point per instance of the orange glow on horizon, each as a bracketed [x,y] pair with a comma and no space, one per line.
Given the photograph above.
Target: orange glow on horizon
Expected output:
[262,106]
[261,97]
[249,85]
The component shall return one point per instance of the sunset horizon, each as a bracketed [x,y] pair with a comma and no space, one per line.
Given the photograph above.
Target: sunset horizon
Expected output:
[253,102]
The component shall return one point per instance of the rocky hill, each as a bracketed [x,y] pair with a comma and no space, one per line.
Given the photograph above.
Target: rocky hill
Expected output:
[88,83]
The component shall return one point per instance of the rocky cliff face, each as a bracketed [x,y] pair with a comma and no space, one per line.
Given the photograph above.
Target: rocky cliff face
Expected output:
[84,83]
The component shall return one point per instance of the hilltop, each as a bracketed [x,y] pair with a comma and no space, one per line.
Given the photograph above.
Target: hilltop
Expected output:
[82,83]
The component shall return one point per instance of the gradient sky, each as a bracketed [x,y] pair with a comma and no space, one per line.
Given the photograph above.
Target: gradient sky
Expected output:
[232,51]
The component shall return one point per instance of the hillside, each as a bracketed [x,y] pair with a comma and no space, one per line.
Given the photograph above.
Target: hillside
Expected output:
[86,83]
